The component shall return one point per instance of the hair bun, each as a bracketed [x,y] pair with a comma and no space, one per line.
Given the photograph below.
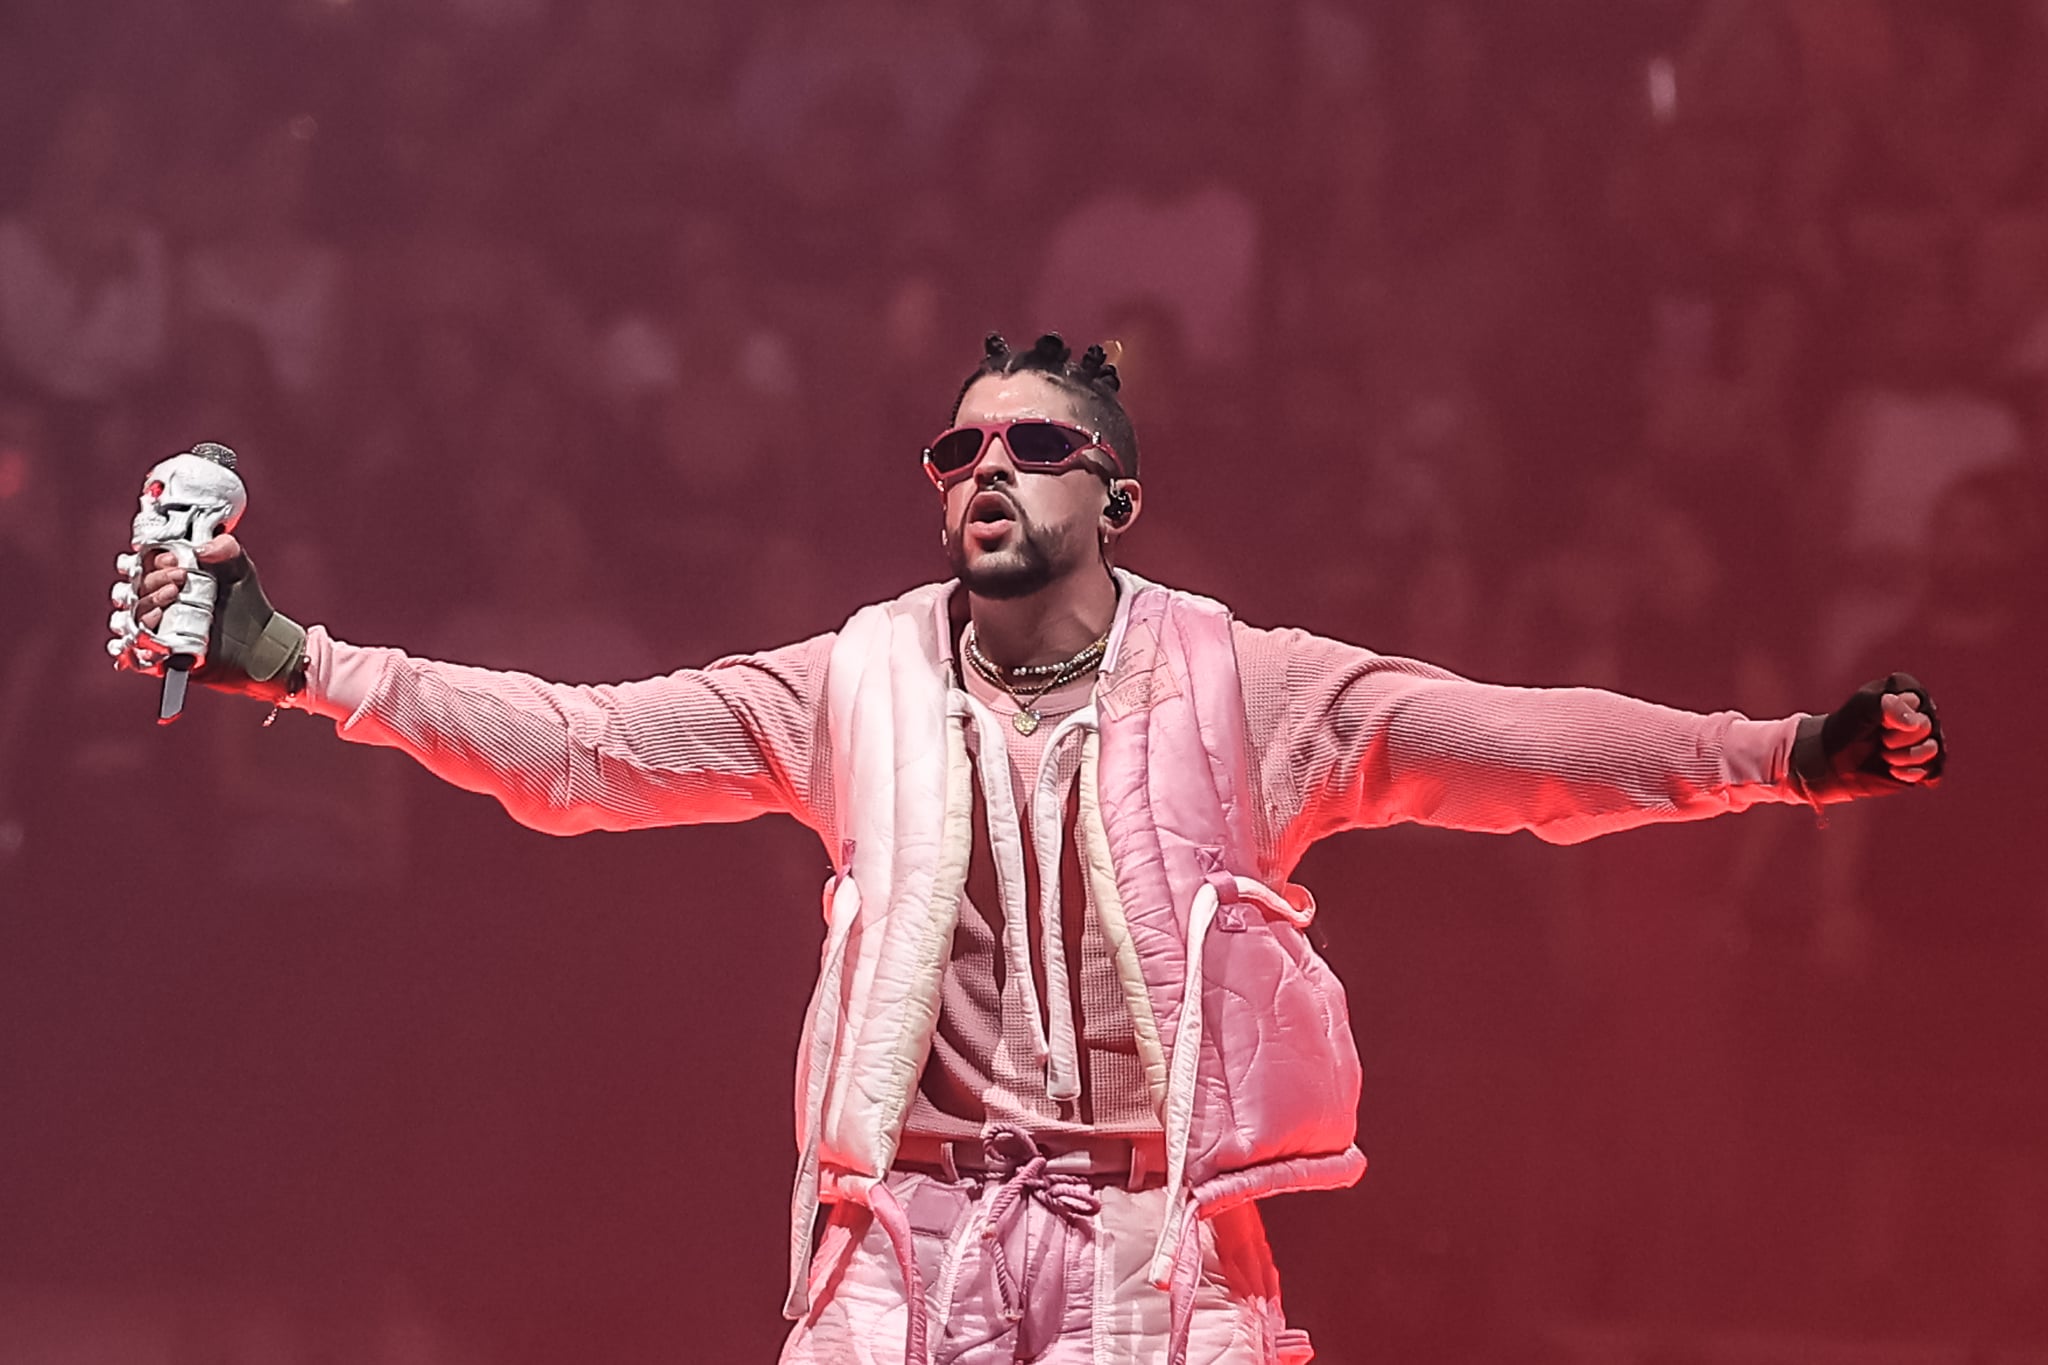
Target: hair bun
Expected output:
[1052,348]
[994,346]
[1098,368]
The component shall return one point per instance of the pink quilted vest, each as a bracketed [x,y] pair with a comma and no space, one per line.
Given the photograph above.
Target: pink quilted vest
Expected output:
[1244,1028]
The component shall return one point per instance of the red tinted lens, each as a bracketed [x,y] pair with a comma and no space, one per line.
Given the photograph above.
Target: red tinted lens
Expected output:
[1042,442]
[955,450]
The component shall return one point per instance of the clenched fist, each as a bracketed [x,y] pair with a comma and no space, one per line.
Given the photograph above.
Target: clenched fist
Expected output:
[254,648]
[1885,738]
[163,579]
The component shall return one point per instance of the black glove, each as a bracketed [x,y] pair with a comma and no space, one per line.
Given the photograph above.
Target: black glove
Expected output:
[1841,756]
[254,648]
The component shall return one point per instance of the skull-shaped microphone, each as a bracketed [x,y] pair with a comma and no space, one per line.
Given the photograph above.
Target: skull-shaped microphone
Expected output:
[187,500]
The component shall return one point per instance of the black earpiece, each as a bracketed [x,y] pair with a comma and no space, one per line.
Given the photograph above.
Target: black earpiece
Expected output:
[1118,509]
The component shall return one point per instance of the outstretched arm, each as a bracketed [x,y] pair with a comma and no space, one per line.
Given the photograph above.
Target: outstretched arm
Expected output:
[735,740]
[1344,738]
[741,738]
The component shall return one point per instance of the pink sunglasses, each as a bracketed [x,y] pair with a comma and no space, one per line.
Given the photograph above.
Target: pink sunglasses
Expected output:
[1035,443]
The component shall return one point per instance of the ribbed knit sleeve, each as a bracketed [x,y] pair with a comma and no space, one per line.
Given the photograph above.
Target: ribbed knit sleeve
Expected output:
[1343,738]
[741,738]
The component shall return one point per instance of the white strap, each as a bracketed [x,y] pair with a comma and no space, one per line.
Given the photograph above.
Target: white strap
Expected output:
[1006,847]
[1180,1088]
[1277,904]
[1187,1052]
[820,1058]
[1049,818]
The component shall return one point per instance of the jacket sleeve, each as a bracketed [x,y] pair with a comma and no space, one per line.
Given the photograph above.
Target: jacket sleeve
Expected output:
[741,738]
[1344,738]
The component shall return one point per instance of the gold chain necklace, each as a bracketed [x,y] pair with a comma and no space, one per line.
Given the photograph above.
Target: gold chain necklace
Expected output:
[1056,675]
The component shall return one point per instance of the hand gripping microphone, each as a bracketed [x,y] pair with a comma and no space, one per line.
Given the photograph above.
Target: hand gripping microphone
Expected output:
[187,500]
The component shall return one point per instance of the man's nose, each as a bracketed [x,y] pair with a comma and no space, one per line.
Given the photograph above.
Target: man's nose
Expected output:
[996,465]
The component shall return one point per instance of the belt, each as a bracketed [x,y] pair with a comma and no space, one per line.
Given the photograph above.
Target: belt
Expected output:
[1136,1163]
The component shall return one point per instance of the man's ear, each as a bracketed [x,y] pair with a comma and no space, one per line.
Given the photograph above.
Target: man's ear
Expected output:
[1121,508]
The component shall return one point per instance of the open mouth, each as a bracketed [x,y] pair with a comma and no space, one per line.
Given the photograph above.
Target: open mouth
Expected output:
[991,510]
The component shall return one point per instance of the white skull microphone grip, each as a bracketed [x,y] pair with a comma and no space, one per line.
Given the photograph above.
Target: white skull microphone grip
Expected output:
[187,500]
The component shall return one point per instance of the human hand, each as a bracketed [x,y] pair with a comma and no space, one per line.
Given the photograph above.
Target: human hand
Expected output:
[163,578]
[1910,738]
[253,648]
[1885,738]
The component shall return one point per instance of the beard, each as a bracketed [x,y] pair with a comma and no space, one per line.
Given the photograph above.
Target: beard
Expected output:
[1031,562]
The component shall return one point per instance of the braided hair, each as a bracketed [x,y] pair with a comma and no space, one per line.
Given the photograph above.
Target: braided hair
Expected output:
[1092,379]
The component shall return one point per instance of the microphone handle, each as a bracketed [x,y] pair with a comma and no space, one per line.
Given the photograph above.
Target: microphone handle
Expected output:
[185,627]
[171,702]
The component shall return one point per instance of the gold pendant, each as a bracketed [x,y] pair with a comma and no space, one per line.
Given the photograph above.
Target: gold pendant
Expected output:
[1025,721]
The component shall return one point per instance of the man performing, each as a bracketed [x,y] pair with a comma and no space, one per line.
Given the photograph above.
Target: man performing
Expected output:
[1069,1026]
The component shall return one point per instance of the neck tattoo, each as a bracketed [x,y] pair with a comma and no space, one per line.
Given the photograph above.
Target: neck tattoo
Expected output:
[1027,683]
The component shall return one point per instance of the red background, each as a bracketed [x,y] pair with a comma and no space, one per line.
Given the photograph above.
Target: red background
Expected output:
[1693,349]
